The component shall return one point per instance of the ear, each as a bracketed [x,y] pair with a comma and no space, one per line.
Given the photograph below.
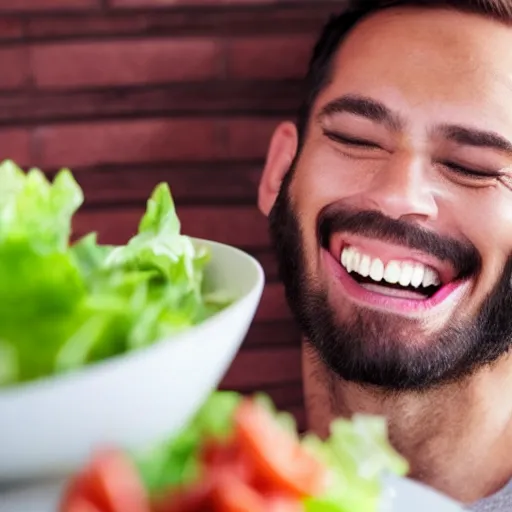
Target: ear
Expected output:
[282,151]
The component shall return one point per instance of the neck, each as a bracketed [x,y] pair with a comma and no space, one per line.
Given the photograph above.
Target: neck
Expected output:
[455,438]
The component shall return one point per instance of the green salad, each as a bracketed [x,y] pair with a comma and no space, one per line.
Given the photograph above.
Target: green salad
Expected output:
[65,305]
[240,454]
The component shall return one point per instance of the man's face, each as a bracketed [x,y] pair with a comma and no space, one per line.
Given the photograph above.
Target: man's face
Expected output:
[394,227]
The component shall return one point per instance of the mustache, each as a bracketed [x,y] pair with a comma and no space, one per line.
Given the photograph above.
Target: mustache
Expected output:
[463,255]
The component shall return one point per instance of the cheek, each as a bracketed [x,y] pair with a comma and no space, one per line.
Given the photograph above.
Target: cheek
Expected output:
[485,218]
[325,175]
[312,188]
[322,177]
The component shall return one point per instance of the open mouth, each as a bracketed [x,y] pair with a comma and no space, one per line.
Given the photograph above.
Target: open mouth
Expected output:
[391,277]
[395,278]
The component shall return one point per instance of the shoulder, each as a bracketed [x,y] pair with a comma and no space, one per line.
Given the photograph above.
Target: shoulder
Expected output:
[499,502]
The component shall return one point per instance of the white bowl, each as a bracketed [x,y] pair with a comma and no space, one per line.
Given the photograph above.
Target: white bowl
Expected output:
[406,495]
[50,427]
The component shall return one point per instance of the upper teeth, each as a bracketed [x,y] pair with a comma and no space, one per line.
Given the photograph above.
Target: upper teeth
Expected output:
[403,273]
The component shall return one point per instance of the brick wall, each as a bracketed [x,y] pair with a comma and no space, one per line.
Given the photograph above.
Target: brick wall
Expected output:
[132,92]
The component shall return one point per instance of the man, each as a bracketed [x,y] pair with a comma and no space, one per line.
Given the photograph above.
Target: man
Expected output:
[390,207]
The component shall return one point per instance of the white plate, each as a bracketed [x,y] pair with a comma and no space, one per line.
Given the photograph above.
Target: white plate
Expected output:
[405,495]
[50,427]
[400,495]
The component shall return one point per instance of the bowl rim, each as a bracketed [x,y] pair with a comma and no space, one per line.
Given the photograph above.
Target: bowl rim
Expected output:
[50,382]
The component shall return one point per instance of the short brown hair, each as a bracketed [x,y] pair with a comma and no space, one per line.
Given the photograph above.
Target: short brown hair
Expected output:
[340,25]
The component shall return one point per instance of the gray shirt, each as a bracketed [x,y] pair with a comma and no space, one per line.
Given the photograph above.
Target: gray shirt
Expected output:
[499,502]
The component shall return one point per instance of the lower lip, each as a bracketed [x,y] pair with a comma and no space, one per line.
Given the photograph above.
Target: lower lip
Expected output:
[366,297]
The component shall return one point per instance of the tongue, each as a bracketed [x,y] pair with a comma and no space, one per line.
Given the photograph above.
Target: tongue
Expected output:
[393,292]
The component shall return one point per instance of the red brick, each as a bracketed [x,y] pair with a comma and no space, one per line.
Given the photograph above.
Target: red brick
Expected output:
[171,3]
[204,98]
[15,68]
[63,26]
[289,394]
[249,137]
[212,181]
[273,305]
[277,334]
[15,145]
[11,28]
[88,144]
[249,2]
[286,395]
[268,261]
[275,58]
[125,62]
[43,5]
[263,367]
[240,226]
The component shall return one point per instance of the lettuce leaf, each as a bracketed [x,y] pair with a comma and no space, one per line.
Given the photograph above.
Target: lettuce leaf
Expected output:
[174,463]
[40,287]
[65,305]
[33,208]
[160,246]
[359,454]
[40,297]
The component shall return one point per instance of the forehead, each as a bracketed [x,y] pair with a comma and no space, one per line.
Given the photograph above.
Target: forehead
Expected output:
[431,63]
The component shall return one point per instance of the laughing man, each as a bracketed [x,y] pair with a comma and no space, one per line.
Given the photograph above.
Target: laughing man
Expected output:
[390,208]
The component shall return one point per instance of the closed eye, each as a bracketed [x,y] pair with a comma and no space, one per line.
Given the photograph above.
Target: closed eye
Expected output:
[351,141]
[473,173]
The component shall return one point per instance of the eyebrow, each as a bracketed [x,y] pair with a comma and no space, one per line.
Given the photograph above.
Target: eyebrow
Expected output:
[467,136]
[378,112]
[364,107]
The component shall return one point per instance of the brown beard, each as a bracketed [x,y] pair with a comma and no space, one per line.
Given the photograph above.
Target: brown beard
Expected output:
[379,349]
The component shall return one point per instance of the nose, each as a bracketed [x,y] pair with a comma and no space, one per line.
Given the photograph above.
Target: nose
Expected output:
[401,190]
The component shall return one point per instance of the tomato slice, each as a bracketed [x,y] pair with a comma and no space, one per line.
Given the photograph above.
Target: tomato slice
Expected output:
[79,504]
[261,469]
[227,457]
[214,453]
[116,486]
[78,493]
[278,458]
[198,498]
[282,504]
[109,483]
[232,494]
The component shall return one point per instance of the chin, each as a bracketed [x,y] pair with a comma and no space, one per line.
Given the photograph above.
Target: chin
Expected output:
[392,351]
